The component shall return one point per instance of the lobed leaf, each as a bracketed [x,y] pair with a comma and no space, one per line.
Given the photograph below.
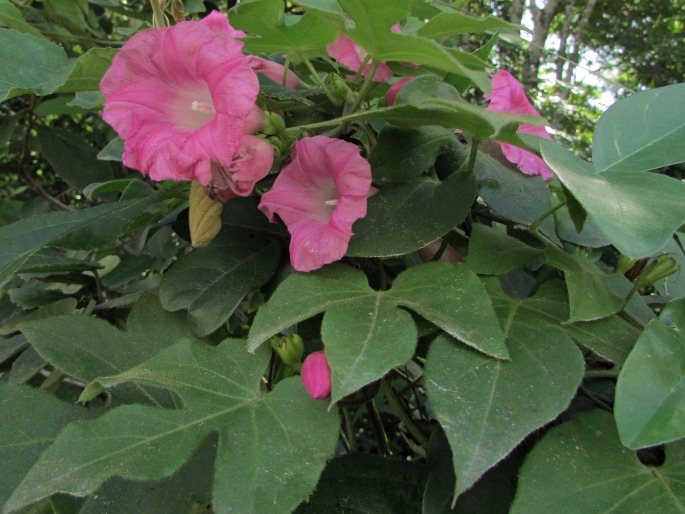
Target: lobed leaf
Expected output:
[627,206]
[582,467]
[650,391]
[271,448]
[642,132]
[486,406]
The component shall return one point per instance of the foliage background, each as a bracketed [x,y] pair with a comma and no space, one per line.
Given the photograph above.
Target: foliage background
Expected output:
[96,268]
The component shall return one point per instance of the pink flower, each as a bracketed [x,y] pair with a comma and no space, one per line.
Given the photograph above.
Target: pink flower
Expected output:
[391,95]
[508,96]
[349,53]
[179,98]
[319,195]
[250,164]
[316,375]
[274,71]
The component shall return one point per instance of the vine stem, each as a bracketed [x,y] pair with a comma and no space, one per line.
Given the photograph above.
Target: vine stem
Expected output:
[404,416]
[536,224]
[349,429]
[378,430]
[319,81]
[365,86]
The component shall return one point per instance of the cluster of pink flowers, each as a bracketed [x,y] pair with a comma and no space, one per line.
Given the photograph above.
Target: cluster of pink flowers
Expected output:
[183,99]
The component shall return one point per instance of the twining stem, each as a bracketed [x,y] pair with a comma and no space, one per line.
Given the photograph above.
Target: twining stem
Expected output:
[319,81]
[365,87]
[404,416]
[378,430]
[349,430]
[360,70]
[536,224]
[441,249]
[595,399]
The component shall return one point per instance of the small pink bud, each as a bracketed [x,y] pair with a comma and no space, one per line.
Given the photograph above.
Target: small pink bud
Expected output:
[316,375]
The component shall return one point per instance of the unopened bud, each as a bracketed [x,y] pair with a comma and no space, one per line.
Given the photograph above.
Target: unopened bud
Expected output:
[316,375]
[289,349]
[664,267]
[340,89]
[274,124]
[204,217]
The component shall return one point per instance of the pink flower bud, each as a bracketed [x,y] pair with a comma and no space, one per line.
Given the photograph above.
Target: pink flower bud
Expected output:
[316,375]
[274,71]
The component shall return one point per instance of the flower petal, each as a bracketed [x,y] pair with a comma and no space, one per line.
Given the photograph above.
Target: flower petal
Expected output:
[179,98]
[508,96]
[319,195]
[316,375]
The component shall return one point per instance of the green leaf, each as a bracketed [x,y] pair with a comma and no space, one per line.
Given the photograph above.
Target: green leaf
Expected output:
[373,19]
[455,23]
[510,193]
[86,347]
[642,132]
[64,306]
[493,252]
[581,467]
[328,10]
[174,495]
[10,346]
[403,218]
[611,338]
[271,448]
[26,366]
[30,65]
[403,154]
[30,421]
[364,340]
[627,206]
[367,483]
[493,493]
[114,151]
[88,70]
[211,282]
[485,406]
[450,296]
[650,392]
[279,33]
[590,295]
[427,100]
[84,229]
[72,157]
[11,18]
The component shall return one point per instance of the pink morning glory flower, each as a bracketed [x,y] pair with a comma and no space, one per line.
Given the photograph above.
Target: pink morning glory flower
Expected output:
[349,53]
[508,96]
[316,375]
[274,71]
[319,195]
[179,97]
